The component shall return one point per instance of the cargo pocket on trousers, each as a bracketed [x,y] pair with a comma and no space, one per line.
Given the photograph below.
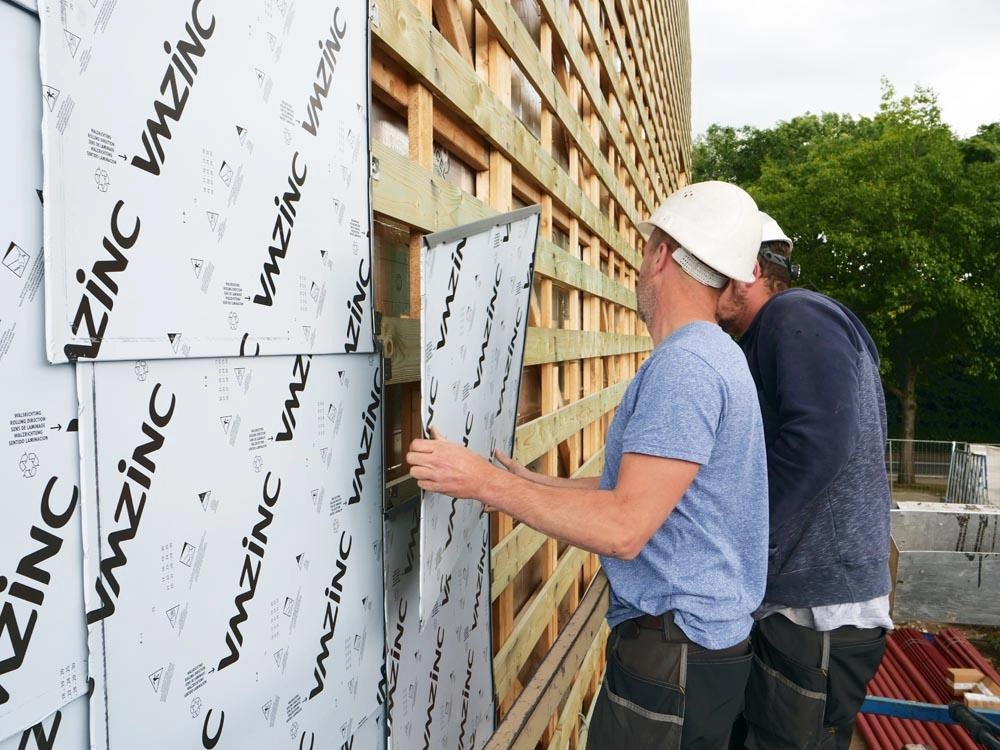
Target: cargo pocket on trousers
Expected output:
[789,711]
[636,712]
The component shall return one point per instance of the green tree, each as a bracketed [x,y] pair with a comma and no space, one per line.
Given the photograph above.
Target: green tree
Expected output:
[894,216]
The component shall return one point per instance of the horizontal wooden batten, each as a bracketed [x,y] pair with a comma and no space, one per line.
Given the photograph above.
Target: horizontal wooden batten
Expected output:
[408,193]
[546,345]
[511,554]
[593,466]
[556,15]
[653,108]
[533,620]
[534,438]
[553,682]
[439,67]
[517,548]
[557,264]
[572,712]
[400,339]
[503,18]
[634,124]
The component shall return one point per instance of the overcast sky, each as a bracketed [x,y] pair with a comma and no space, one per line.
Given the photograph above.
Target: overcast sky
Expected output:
[761,61]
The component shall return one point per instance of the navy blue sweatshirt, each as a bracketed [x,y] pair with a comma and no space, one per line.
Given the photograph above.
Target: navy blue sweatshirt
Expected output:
[816,370]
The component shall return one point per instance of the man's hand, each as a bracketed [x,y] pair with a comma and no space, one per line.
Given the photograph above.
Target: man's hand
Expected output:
[449,468]
[515,468]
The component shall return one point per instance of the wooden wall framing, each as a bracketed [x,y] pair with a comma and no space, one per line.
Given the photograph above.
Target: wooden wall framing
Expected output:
[481,106]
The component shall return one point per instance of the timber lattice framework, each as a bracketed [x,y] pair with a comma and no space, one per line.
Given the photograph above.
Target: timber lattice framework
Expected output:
[483,106]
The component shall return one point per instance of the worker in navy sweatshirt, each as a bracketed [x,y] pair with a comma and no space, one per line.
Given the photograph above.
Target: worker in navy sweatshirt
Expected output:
[819,634]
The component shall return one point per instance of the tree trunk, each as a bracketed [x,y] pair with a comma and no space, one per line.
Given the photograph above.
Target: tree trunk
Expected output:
[908,413]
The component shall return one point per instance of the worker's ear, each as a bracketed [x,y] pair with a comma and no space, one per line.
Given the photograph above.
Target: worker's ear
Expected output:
[662,256]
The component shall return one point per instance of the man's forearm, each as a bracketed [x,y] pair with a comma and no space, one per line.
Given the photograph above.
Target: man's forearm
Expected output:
[571,510]
[570,483]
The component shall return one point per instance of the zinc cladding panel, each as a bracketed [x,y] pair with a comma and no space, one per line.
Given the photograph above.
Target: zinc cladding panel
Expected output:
[43,656]
[206,178]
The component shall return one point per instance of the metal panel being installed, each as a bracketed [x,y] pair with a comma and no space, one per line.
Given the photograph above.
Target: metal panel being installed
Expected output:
[232,517]
[43,649]
[476,288]
[206,173]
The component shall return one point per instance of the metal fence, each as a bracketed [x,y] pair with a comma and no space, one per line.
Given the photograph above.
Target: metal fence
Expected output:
[944,471]
[920,465]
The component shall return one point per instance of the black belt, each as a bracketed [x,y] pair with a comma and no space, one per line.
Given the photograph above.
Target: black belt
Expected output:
[652,622]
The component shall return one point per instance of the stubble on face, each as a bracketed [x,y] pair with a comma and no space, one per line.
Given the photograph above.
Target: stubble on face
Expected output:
[646,298]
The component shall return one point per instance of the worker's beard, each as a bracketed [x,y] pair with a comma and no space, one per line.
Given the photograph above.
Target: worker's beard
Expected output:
[646,299]
[731,308]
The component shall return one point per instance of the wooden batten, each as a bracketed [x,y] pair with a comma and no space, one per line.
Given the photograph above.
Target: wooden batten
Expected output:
[583,108]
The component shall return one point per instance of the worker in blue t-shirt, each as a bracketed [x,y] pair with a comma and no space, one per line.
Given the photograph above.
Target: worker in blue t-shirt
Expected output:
[679,515]
[820,632]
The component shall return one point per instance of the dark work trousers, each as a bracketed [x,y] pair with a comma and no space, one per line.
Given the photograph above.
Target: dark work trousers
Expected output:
[661,690]
[806,686]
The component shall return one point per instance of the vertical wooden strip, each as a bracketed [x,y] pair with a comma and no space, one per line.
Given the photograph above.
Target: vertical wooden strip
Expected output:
[499,181]
[420,129]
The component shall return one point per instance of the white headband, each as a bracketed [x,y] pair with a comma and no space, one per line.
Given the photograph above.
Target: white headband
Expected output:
[697,270]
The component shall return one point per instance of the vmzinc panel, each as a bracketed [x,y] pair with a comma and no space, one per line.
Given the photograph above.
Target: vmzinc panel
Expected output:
[476,291]
[232,517]
[65,729]
[43,649]
[206,178]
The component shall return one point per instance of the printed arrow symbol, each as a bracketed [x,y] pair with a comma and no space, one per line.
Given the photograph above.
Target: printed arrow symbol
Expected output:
[56,427]
[123,157]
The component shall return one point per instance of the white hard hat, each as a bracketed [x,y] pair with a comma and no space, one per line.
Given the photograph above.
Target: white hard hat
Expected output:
[771,232]
[716,222]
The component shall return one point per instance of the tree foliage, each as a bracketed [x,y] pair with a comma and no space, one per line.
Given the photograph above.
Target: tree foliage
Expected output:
[893,215]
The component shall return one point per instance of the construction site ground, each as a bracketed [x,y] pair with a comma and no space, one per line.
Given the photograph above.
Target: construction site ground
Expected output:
[986,639]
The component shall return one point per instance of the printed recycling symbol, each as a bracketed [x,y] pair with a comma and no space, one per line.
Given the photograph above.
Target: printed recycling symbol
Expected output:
[28,465]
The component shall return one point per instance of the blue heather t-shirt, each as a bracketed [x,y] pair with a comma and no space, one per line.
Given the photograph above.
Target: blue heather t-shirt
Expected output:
[694,400]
